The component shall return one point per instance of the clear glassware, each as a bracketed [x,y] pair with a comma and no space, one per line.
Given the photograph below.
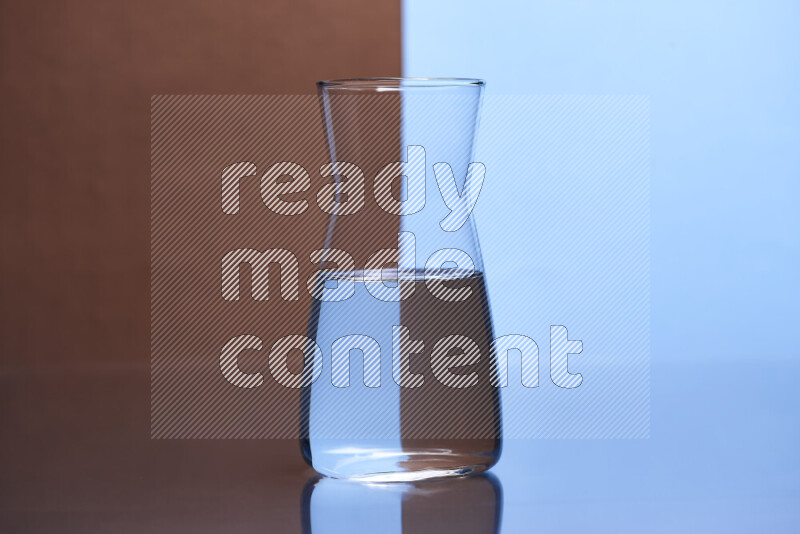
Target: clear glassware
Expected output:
[401,312]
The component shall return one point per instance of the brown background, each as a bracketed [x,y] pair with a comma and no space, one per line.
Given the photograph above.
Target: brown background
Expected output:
[77,78]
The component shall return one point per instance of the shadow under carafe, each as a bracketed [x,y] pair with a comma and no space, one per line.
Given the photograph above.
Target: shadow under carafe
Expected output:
[465,505]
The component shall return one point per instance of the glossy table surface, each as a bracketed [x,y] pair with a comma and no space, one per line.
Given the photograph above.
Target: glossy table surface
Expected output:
[722,457]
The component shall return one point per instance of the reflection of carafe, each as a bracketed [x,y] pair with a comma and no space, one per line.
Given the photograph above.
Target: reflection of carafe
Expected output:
[464,505]
[400,317]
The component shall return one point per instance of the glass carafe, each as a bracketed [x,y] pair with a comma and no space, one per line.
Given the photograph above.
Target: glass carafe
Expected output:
[401,312]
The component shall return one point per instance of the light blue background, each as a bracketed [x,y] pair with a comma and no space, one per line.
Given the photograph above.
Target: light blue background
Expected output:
[725,163]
